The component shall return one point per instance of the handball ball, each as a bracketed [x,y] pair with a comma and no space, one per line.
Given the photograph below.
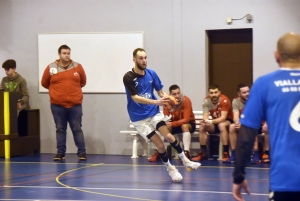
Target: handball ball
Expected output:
[169,105]
[173,101]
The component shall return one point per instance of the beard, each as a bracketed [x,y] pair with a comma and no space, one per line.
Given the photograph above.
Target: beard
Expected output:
[214,98]
[140,66]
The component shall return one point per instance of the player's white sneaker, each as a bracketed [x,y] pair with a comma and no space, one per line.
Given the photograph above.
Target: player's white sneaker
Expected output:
[190,165]
[174,174]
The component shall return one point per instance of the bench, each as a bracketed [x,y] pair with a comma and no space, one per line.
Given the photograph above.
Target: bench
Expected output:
[147,145]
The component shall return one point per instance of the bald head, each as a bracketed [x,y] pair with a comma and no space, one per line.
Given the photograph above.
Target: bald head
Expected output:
[288,48]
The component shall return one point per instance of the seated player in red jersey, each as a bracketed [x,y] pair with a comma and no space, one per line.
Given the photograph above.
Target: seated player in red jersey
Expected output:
[218,106]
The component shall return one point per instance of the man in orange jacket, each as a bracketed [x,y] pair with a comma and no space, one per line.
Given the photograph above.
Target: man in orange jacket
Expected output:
[64,78]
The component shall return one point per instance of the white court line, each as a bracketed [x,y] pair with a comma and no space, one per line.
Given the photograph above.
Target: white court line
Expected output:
[44,199]
[133,165]
[130,189]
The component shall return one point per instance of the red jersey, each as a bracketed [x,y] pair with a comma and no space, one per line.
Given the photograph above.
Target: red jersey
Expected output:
[223,104]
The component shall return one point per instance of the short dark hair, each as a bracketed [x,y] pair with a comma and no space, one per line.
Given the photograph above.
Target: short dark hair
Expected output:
[138,50]
[213,86]
[173,87]
[241,85]
[63,47]
[10,63]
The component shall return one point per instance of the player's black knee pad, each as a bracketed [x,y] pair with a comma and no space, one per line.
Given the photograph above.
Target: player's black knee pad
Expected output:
[151,134]
[160,124]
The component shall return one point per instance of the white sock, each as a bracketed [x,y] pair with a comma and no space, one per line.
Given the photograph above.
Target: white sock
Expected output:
[186,138]
[183,157]
[167,164]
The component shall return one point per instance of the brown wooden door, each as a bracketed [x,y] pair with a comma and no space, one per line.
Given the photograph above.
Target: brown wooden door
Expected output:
[230,59]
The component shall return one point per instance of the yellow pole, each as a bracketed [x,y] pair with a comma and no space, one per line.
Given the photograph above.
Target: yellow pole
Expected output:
[6,124]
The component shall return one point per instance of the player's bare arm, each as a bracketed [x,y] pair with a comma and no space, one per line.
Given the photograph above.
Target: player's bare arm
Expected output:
[161,93]
[205,119]
[236,119]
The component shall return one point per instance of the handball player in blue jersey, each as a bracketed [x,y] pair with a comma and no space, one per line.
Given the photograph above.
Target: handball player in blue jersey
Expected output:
[143,110]
[274,97]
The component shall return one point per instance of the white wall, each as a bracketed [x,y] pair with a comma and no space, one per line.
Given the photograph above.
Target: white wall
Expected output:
[174,40]
[2,72]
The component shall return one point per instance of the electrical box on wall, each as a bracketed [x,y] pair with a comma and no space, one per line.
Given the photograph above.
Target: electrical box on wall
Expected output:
[248,17]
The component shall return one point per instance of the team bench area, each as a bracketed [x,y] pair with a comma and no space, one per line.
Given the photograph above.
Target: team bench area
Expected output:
[214,144]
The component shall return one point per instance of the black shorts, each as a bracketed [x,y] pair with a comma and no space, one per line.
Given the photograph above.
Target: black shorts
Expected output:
[217,130]
[284,196]
[178,129]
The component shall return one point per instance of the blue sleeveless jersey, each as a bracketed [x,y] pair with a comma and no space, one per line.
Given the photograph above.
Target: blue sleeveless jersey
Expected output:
[275,98]
[144,86]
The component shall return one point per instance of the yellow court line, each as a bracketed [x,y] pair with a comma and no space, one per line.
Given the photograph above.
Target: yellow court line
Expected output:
[105,194]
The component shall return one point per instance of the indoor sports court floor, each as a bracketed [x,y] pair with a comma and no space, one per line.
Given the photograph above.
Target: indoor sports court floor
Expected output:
[110,177]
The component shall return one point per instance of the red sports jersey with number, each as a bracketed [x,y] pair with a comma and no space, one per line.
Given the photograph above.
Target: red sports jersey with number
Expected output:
[223,104]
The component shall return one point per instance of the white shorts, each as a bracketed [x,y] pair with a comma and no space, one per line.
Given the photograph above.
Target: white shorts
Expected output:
[146,126]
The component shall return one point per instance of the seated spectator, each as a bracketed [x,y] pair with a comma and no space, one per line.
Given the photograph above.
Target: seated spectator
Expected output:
[15,82]
[218,106]
[238,104]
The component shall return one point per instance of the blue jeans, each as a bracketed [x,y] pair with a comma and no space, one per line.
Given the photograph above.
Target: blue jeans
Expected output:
[61,117]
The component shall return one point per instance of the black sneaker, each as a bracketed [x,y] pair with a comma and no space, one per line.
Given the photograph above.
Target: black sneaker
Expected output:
[82,156]
[59,157]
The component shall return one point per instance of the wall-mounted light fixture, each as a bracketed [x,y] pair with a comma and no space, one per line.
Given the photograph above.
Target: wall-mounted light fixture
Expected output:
[249,19]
